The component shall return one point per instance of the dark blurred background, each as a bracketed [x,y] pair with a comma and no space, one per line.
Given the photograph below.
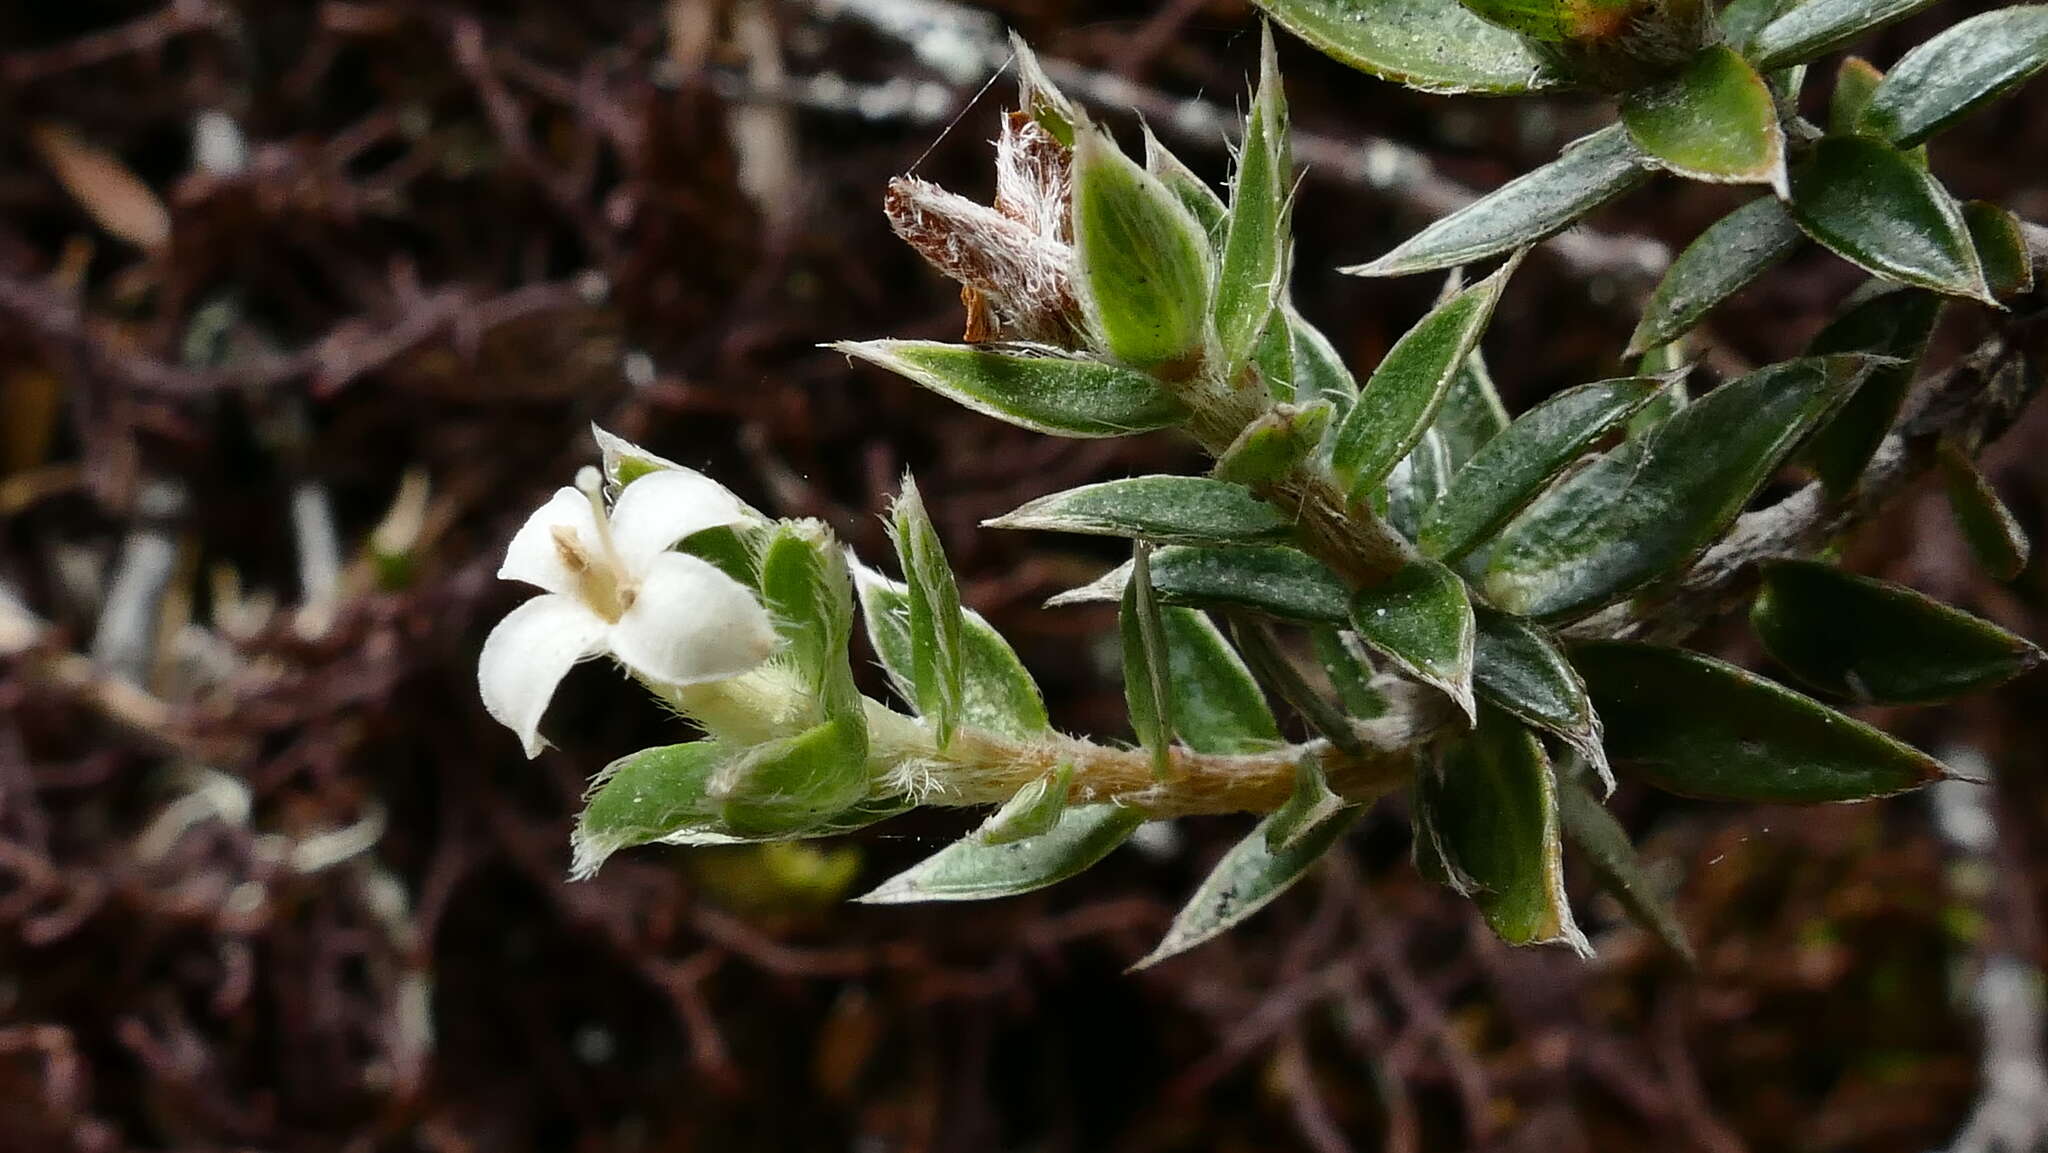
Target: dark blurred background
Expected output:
[303,306]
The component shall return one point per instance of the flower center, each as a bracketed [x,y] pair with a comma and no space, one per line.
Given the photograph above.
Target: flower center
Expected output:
[602,581]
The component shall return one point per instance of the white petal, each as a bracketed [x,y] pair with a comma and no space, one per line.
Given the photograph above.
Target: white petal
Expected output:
[528,654]
[692,623]
[533,556]
[661,508]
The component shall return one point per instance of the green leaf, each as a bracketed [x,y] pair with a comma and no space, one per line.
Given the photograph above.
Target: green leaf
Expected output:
[1873,642]
[792,783]
[1248,878]
[1274,357]
[1279,582]
[996,693]
[1418,482]
[1958,71]
[1252,272]
[1031,811]
[1715,120]
[1345,662]
[935,617]
[1043,101]
[642,798]
[1189,509]
[1217,705]
[1027,387]
[1397,405]
[1856,82]
[1141,261]
[1988,527]
[805,588]
[1523,211]
[1282,438]
[1472,413]
[1277,670]
[1433,45]
[1874,206]
[1693,725]
[1194,193]
[972,870]
[1319,373]
[1147,695]
[1733,251]
[1818,27]
[1307,810]
[1604,844]
[1493,801]
[1421,619]
[1884,320]
[2001,247]
[1520,669]
[1515,467]
[1651,506]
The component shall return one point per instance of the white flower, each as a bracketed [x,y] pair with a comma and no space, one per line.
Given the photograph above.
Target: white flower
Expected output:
[613,587]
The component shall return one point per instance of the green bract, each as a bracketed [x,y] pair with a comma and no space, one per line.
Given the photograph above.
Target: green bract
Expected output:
[1142,261]
[1715,121]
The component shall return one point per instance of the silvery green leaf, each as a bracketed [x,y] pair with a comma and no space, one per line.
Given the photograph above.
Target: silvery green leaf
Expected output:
[1523,211]
[1516,466]
[996,693]
[1520,669]
[1732,252]
[1181,509]
[1195,194]
[1472,413]
[1029,387]
[1032,811]
[1884,320]
[1418,482]
[1741,20]
[1817,27]
[1961,69]
[1275,444]
[1248,878]
[1043,101]
[643,797]
[1493,803]
[1349,669]
[1217,704]
[1398,403]
[806,589]
[1147,693]
[936,622]
[2001,248]
[1142,263]
[1252,271]
[1988,527]
[1433,45]
[972,870]
[1652,505]
[1319,373]
[1877,207]
[1604,844]
[1279,582]
[1277,671]
[1714,120]
[1873,642]
[1699,727]
[1421,619]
